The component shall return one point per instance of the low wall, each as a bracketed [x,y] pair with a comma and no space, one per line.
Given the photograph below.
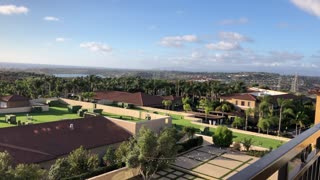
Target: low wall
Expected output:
[120,111]
[128,125]
[15,110]
[45,108]
[114,110]
[42,100]
[156,125]
[187,116]
[86,105]
[123,173]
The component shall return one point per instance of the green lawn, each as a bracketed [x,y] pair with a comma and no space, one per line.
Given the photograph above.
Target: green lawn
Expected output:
[54,114]
[258,141]
[117,116]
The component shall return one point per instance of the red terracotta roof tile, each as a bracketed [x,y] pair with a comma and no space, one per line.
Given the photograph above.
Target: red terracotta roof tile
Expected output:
[139,98]
[13,98]
[47,141]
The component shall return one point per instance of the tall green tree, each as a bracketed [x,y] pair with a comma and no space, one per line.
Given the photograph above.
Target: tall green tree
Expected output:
[238,122]
[282,103]
[60,169]
[300,120]
[248,113]
[28,171]
[149,152]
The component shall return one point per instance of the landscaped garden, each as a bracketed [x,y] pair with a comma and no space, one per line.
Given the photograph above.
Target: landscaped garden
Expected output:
[54,114]
[180,122]
[117,116]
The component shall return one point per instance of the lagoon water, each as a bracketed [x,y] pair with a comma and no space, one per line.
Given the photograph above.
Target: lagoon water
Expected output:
[75,75]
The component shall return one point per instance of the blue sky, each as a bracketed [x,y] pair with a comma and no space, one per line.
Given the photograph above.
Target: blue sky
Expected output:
[223,35]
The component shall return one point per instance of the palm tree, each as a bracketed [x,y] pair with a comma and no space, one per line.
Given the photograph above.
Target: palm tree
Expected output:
[248,112]
[299,120]
[265,123]
[224,107]
[264,108]
[238,121]
[282,103]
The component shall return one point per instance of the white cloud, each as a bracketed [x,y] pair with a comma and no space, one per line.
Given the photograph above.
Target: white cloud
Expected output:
[96,46]
[233,37]
[177,41]
[310,6]
[224,45]
[242,20]
[12,9]
[51,18]
[60,39]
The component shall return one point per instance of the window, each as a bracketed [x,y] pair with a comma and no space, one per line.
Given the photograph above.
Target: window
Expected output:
[242,103]
[249,104]
[236,102]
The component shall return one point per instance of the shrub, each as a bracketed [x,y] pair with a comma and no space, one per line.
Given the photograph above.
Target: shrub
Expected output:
[109,157]
[81,112]
[54,103]
[73,109]
[36,109]
[236,146]
[11,119]
[88,114]
[127,106]
[205,131]
[190,131]
[247,143]
[98,111]
[190,143]
[222,136]
[256,153]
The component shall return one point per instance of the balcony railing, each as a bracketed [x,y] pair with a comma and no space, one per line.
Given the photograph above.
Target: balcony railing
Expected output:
[297,159]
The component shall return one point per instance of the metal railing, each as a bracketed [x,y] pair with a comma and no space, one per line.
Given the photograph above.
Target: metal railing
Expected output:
[297,159]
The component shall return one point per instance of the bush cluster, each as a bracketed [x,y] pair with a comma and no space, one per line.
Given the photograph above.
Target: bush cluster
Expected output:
[222,136]
[36,109]
[190,143]
[257,153]
[54,103]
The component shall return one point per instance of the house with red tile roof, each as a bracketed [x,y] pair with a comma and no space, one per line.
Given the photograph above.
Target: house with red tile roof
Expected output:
[14,101]
[241,101]
[137,99]
[44,143]
[250,99]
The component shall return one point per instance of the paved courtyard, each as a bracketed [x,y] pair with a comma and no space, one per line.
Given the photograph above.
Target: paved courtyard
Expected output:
[207,162]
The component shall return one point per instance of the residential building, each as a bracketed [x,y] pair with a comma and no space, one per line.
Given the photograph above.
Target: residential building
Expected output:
[44,143]
[137,99]
[14,101]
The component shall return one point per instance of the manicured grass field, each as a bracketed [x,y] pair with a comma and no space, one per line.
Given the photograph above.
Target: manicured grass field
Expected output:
[258,141]
[127,118]
[54,114]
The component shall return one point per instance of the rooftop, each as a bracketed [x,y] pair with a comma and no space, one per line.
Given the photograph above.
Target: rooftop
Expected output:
[139,98]
[13,98]
[39,142]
